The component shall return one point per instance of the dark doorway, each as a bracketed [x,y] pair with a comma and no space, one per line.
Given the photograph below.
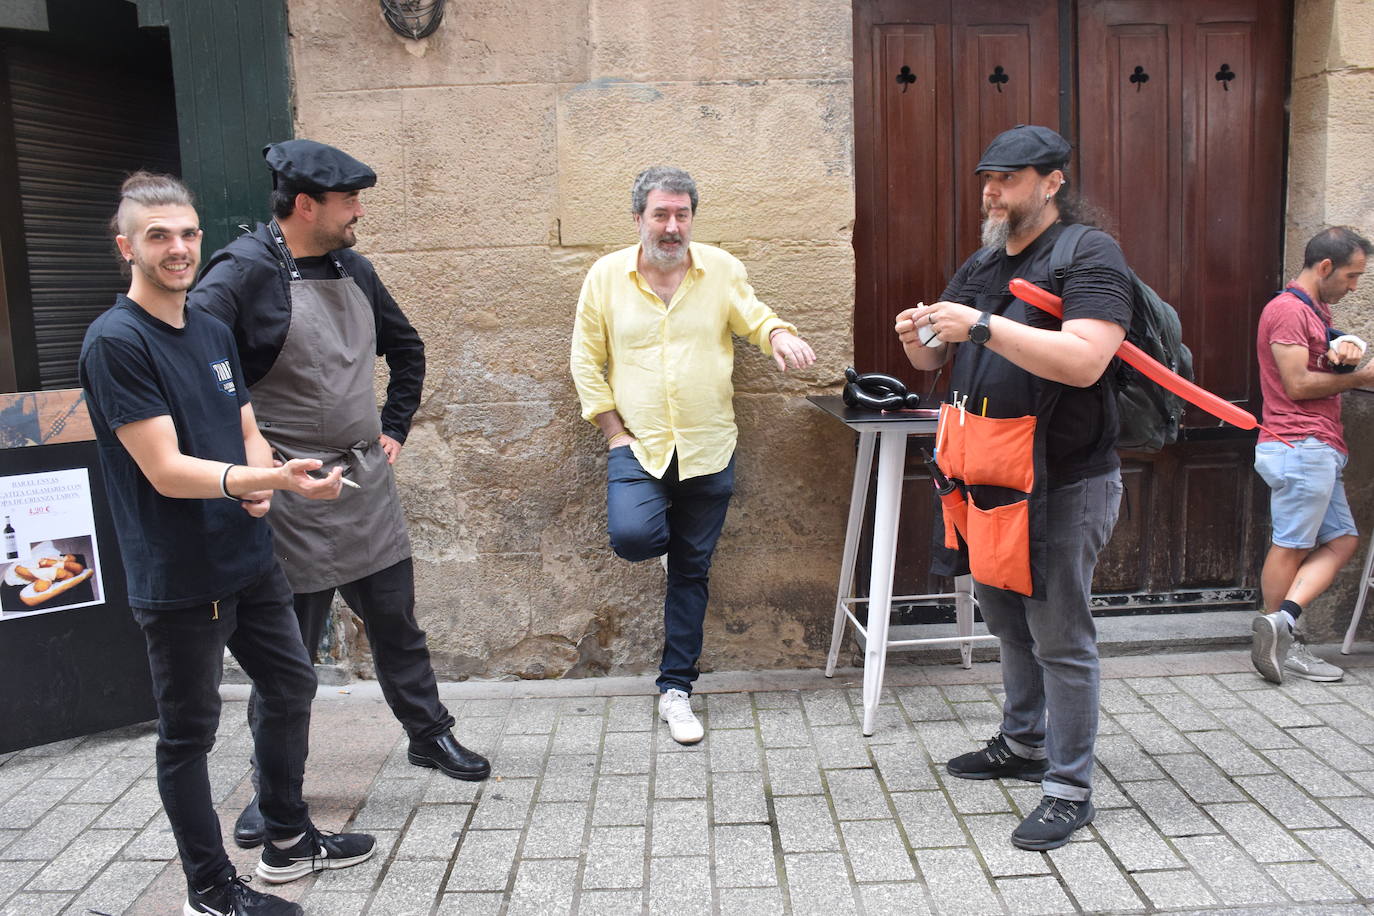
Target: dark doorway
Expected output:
[1176,112]
[82,104]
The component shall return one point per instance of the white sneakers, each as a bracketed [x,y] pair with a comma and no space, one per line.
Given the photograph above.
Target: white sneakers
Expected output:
[675,708]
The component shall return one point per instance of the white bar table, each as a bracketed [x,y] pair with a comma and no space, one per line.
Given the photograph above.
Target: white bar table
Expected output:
[887,432]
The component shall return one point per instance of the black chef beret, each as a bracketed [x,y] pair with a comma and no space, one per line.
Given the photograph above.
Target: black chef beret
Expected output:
[317,167]
[1023,145]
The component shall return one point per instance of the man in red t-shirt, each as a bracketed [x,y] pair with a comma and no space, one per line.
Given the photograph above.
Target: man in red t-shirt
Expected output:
[1304,365]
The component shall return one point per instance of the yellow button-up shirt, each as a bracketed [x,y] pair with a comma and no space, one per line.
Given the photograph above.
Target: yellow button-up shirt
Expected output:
[666,368]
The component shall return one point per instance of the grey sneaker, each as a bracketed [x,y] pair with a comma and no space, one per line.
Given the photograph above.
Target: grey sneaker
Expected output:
[1302,663]
[1270,646]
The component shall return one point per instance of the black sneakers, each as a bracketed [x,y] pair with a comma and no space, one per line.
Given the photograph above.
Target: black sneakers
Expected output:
[236,898]
[996,761]
[316,851]
[1052,823]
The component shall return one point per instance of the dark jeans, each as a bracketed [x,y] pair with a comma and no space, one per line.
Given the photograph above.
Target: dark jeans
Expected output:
[1049,648]
[649,517]
[385,601]
[186,655]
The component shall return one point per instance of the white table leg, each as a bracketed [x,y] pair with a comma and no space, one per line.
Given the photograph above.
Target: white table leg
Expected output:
[1359,604]
[963,615]
[858,496]
[887,509]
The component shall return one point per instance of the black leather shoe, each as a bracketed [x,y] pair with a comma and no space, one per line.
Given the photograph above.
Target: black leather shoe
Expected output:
[445,753]
[249,829]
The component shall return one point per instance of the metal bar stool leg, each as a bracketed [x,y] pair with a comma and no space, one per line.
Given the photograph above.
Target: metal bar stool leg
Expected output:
[891,460]
[858,496]
[963,615]
[1359,604]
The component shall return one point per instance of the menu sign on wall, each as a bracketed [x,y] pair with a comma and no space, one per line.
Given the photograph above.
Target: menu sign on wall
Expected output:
[51,558]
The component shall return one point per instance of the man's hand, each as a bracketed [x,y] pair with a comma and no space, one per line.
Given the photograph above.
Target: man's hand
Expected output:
[296,474]
[791,350]
[621,438]
[257,504]
[949,321]
[1346,351]
[391,447]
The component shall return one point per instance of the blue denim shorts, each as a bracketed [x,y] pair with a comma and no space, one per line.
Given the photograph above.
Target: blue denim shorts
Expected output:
[1307,501]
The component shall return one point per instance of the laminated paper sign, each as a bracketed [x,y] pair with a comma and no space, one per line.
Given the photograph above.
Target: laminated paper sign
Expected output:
[51,559]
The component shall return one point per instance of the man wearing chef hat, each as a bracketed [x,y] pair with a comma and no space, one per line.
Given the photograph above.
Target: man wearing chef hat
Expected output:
[310,316]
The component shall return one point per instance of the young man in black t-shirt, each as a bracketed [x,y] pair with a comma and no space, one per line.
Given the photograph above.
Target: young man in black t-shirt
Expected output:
[1012,361]
[189,479]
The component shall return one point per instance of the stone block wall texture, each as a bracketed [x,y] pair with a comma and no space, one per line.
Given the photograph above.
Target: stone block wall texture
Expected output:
[505,146]
[1331,135]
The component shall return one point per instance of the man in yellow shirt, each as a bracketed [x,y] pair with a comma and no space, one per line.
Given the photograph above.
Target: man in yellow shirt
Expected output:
[652,359]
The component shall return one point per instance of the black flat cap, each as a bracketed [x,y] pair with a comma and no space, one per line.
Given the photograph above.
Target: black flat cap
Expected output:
[1023,145]
[317,167]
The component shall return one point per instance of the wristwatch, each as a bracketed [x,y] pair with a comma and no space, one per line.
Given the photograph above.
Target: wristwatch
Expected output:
[981,332]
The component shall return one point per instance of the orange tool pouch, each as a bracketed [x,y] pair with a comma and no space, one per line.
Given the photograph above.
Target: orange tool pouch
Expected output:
[996,452]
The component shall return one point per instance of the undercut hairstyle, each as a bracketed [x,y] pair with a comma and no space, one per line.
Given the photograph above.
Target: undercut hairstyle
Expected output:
[1339,244]
[145,189]
[661,178]
[283,198]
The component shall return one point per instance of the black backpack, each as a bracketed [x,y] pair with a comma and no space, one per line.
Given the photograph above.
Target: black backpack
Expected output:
[1150,414]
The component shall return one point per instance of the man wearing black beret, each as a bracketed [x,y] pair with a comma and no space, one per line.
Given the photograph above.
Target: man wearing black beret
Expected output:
[310,316]
[1040,506]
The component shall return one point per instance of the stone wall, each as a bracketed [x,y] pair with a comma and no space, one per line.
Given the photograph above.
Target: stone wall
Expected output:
[505,146]
[1330,140]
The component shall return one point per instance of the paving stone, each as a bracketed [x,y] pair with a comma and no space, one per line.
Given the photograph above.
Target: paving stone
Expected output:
[390,801]
[778,699]
[543,887]
[615,858]
[111,780]
[748,901]
[1346,854]
[583,706]
[856,795]
[578,734]
[804,824]
[567,778]
[744,856]
[1231,873]
[956,882]
[1349,721]
[25,808]
[924,704]
[679,828]
[980,718]
[680,776]
[1255,729]
[1092,878]
[1182,712]
[738,798]
[58,827]
[1280,709]
[1171,890]
[1149,686]
[1203,782]
[632,714]
[35,904]
[793,771]
[876,851]
[1230,753]
[1208,691]
[976,796]
[154,842]
[536,716]
[818,883]
[842,747]
[1240,682]
[730,710]
[827,707]
[596,902]
[783,728]
[1125,759]
[520,755]
[485,859]
[1309,882]
[1134,841]
[1306,692]
[1106,793]
[1115,697]
[992,837]
[1258,833]
[734,749]
[626,752]
[1035,896]
[1304,768]
[1150,731]
[1358,813]
[680,885]
[1173,814]
[1333,748]
[927,819]
[433,832]
[556,830]
[338,903]
[504,804]
[14,874]
[83,858]
[409,888]
[946,740]
[1286,802]
[621,800]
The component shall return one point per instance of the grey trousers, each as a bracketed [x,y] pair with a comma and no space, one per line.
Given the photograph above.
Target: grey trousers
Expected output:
[1049,648]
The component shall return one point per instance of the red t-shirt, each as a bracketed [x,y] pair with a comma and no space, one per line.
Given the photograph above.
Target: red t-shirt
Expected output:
[1288,320]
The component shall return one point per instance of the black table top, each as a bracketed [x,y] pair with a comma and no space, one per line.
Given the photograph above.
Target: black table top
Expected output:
[920,420]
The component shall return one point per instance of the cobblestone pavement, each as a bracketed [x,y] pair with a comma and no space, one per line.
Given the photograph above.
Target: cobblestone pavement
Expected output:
[1215,791]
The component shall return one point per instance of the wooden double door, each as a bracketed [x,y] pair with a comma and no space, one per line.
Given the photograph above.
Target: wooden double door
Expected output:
[1175,109]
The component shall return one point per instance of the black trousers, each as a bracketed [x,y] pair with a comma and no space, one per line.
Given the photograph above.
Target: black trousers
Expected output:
[385,601]
[186,657]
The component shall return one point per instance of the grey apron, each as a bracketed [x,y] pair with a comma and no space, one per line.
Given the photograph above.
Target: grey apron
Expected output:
[317,401]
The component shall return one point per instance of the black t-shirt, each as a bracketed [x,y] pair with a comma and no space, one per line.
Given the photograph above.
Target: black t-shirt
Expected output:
[1081,423]
[177,552]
